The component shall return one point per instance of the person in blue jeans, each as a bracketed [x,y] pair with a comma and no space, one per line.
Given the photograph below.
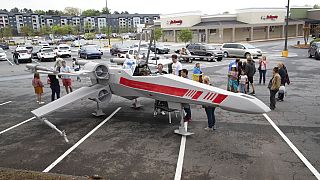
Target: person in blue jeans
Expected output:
[186,107]
[262,69]
[209,110]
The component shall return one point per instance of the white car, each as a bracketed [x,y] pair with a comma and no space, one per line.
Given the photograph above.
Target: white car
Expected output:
[76,44]
[63,50]
[44,44]
[3,55]
[23,55]
[142,54]
[47,54]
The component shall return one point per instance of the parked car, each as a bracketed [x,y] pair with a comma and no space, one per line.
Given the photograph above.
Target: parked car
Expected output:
[118,48]
[96,46]
[63,50]
[35,51]
[23,55]
[160,49]
[142,54]
[67,38]
[240,50]
[4,46]
[142,45]
[47,54]
[199,49]
[76,44]
[89,52]
[43,44]
[3,55]
[314,50]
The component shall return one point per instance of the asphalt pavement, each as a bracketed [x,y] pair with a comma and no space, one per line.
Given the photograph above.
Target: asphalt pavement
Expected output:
[134,144]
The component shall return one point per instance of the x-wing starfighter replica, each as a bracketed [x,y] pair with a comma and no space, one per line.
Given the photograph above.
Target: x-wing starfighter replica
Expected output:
[117,80]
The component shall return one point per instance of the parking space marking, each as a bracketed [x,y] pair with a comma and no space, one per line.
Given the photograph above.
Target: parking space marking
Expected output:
[178,173]
[293,147]
[30,119]
[79,142]
[5,103]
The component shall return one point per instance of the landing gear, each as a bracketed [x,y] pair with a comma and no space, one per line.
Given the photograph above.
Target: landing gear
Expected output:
[183,129]
[136,104]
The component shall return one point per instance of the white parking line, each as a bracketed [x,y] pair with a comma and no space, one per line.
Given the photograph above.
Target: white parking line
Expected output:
[293,147]
[5,103]
[177,176]
[17,125]
[79,142]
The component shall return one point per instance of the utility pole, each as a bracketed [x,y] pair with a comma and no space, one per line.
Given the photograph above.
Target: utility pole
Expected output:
[107,10]
[285,50]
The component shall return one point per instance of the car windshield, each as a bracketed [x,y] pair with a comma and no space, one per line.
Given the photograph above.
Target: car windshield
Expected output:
[29,47]
[212,47]
[249,46]
[23,51]
[91,48]
[64,48]
[47,50]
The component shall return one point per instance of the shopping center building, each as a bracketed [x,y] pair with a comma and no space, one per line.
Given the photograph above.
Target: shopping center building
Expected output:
[245,25]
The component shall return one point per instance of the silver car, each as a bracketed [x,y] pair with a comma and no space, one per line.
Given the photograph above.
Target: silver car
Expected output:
[240,50]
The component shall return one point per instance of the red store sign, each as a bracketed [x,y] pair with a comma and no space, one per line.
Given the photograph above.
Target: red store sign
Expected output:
[271,17]
[177,22]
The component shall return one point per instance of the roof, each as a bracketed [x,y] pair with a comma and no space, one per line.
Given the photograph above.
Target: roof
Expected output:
[218,23]
[310,20]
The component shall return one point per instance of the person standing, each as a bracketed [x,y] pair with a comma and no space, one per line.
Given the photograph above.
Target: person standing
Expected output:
[54,85]
[209,110]
[233,79]
[274,85]
[66,79]
[38,87]
[283,75]
[243,80]
[250,71]
[186,107]
[232,63]
[197,73]
[176,65]
[262,69]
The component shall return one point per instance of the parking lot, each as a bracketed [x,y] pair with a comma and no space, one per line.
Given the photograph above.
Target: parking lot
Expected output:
[134,144]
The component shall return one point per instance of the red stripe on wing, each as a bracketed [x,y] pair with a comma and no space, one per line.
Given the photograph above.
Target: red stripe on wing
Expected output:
[197,95]
[153,87]
[219,98]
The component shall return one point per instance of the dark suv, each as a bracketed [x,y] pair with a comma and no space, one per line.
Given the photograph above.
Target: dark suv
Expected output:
[206,50]
[314,50]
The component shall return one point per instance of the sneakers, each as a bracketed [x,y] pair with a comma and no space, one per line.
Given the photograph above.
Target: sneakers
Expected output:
[41,102]
[186,119]
[208,129]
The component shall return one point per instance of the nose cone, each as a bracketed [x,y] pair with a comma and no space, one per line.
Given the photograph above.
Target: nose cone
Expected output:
[244,103]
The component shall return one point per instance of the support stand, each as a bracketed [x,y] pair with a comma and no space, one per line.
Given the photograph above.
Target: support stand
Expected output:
[136,104]
[98,112]
[183,129]
[62,133]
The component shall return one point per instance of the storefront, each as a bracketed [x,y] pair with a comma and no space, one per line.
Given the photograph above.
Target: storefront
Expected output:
[245,25]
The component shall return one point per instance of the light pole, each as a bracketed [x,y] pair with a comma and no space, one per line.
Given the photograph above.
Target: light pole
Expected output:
[108,31]
[285,50]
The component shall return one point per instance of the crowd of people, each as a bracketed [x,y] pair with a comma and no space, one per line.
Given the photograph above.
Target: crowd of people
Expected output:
[53,81]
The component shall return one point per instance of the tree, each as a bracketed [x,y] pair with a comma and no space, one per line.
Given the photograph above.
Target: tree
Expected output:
[316,6]
[6,32]
[5,10]
[306,33]
[116,12]
[71,11]
[105,11]
[26,31]
[157,34]
[104,30]
[45,30]
[40,12]
[185,35]
[14,10]
[91,12]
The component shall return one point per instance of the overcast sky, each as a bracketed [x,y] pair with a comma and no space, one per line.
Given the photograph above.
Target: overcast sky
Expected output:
[153,6]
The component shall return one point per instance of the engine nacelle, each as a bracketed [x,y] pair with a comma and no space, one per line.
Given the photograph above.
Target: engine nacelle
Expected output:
[99,71]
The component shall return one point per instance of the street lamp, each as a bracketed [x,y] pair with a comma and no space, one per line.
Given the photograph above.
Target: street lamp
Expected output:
[107,11]
[285,50]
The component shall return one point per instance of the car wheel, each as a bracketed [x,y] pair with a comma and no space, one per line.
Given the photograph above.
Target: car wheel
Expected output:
[30,60]
[190,60]
[247,55]
[317,56]
[42,60]
[219,59]
[225,54]
[310,56]
[54,59]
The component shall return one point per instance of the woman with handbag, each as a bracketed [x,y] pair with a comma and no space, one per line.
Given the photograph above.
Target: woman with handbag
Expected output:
[262,69]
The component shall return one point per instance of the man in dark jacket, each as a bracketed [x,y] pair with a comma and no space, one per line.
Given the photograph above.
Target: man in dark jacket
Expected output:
[55,86]
[250,70]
